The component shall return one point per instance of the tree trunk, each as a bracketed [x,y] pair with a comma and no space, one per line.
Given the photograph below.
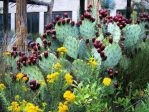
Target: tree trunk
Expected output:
[5,21]
[21,24]
[50,8]
[128,9]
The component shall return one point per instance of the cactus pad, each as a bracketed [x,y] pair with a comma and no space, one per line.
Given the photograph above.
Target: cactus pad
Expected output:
[113,53]
[66,30]
[115,31]
[47,63]
[87,29]
[132,35]
[33,72]
[72,45]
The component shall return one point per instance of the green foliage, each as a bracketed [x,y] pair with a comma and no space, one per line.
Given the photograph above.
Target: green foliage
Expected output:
[136,71]
[90,97]
[144,106]
[3,103]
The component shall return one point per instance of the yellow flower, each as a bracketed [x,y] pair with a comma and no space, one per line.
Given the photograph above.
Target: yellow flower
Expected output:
[25,79]
[57,66]
[52,77]
[106,81]
[62,107]
[19,76]
[32,108]
[14,107]
[2,86]
[69,96]
[7,53]
[62,50]
[92,62]
[68,78]
[17,97]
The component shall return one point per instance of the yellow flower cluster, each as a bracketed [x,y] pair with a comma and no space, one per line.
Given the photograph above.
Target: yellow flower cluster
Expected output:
[63,107]
[23,107]
[106,81]
[93,62]
[52,77]
[15,107]
[62,50]
[68,78]
[69,96]
[57,66]
[2,86]
[32,108]
[20,76]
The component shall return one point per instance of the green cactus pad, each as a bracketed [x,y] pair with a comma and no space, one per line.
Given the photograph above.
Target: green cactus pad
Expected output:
[82,70]
[33,72]
[132,35]
[87,29]
[66,30]
[115,31]
[46,64]
[113,53]
[72,45]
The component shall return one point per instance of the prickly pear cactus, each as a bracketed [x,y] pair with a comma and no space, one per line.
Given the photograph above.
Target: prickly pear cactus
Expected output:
[115,31]
[132,35]
[113,53]
[33,72]
[72,45]
[87,29]
[66,30]
[81,69]
[46,64]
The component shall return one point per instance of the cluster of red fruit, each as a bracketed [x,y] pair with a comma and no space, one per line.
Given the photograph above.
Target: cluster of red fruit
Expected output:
[119,19]
[143,17]
[100,47]
[32,59]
